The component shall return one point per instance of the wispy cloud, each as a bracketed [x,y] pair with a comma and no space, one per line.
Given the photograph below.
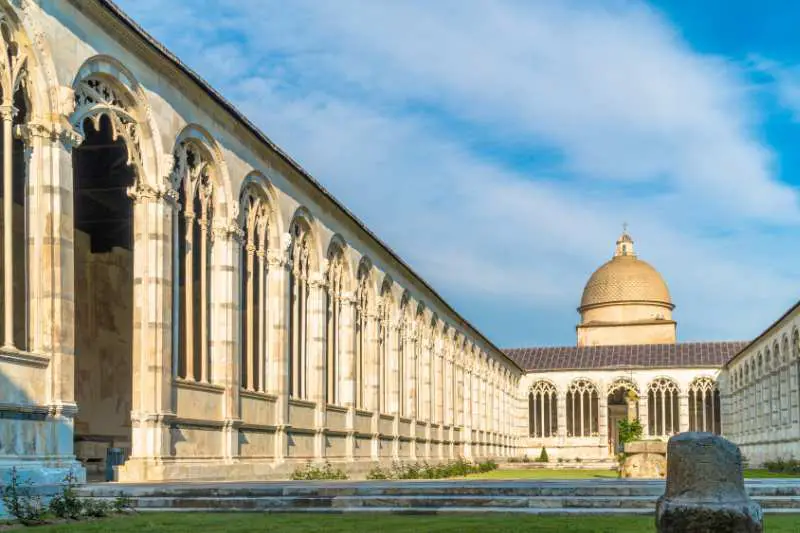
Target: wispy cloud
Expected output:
[499,145]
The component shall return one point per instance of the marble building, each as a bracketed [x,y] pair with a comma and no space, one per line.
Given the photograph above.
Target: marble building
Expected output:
[176,286]
[626,364]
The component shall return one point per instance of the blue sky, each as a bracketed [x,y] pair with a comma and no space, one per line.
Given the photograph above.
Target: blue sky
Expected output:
[499,146]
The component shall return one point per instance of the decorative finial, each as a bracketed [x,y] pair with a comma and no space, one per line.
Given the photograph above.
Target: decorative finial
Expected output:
[624,243]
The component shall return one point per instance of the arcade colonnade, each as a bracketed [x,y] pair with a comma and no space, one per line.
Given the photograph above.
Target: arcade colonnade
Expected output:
[177,286]
[761,403]
[574,414]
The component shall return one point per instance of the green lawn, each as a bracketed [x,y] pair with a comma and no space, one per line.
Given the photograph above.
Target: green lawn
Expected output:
[554,473]
[545,473]
[250,522]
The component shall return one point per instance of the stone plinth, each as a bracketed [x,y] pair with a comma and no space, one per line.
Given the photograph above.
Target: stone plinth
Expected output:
[645,460]
[705,488]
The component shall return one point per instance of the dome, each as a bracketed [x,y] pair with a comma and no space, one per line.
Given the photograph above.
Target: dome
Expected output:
[625,279]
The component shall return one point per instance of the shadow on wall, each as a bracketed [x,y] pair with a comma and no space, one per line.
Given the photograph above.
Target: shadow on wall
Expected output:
[33,439]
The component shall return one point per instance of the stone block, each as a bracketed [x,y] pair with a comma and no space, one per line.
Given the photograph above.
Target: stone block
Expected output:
[645,466]
[705,488]
[646,446]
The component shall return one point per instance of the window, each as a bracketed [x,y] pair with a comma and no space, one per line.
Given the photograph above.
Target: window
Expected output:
[662,402]
[195,197]
[582,409]
[543,410]
[704,406]
[254,294]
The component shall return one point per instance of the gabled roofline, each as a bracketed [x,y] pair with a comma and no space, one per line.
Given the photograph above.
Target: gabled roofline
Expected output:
[764,333]
[162,50]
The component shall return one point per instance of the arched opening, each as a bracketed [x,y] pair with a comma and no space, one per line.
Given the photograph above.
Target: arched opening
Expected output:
[103,292]
[581,409]
[704,406]
[662,406]
[542,410]
[622,405]
[16,335]
[254,307]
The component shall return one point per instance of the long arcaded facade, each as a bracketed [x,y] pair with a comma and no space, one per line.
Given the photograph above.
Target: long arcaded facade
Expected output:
[177,287]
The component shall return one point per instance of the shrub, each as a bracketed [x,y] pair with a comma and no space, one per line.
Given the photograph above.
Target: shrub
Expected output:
[578,460]
[96,508]
[311,472]
[629,430]
[378,473]
[543,458]
[20,502]
[67,504]
[122,503]
[783,466]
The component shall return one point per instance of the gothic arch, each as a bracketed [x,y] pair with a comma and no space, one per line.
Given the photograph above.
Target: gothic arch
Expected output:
[621,381]
[303,223]
[259,187]
[103,86]
[196,152]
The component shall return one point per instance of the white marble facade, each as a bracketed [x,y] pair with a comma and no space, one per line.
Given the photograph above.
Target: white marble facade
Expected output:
[573,414]
[245,324]
[176,286]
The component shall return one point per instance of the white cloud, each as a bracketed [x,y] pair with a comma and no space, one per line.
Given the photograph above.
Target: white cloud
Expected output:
[391,105]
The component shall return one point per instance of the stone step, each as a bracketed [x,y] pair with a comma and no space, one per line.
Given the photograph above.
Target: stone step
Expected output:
[584,496]
[416,489]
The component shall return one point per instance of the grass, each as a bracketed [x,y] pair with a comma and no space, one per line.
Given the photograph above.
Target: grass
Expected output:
[289,523]
[556,473]
[545,473]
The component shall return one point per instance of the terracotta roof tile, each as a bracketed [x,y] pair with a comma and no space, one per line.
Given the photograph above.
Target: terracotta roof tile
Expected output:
[684,354]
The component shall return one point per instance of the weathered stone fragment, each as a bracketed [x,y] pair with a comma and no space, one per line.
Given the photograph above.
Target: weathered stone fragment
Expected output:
[705,488]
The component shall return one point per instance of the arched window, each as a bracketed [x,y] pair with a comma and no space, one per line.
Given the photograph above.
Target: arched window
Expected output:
[362,334]
[662,405]
[14,112]
[254,292]
[704,406]
[298,318]
[582,409]
[333,312]
[404,372]
[194,180]
[543,410]
[385,368]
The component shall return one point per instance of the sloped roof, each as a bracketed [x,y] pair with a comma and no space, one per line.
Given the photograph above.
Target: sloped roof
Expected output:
[111,7]
[680,355]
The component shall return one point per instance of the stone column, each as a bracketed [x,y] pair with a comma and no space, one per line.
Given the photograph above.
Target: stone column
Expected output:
[644,415]
[602,418]
[225,331]
[7,112]
[279,309]
[152,393]
[467,409]
[683,411]
[562,415]
[50,187]
[316,357]
[347,369]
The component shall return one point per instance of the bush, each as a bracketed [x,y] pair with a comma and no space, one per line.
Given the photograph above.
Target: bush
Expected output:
[67,504]
[311,472]
[378,473]
[20,502]
[629,430]
[457,468]
[783,466]
[543,458]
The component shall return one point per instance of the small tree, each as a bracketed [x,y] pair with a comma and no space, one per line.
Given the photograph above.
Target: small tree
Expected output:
[630,430]
[543,458]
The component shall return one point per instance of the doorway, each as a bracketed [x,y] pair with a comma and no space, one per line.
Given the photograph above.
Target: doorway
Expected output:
[103,295]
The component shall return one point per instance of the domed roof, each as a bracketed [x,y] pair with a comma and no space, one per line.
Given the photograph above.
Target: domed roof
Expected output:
[625,279]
